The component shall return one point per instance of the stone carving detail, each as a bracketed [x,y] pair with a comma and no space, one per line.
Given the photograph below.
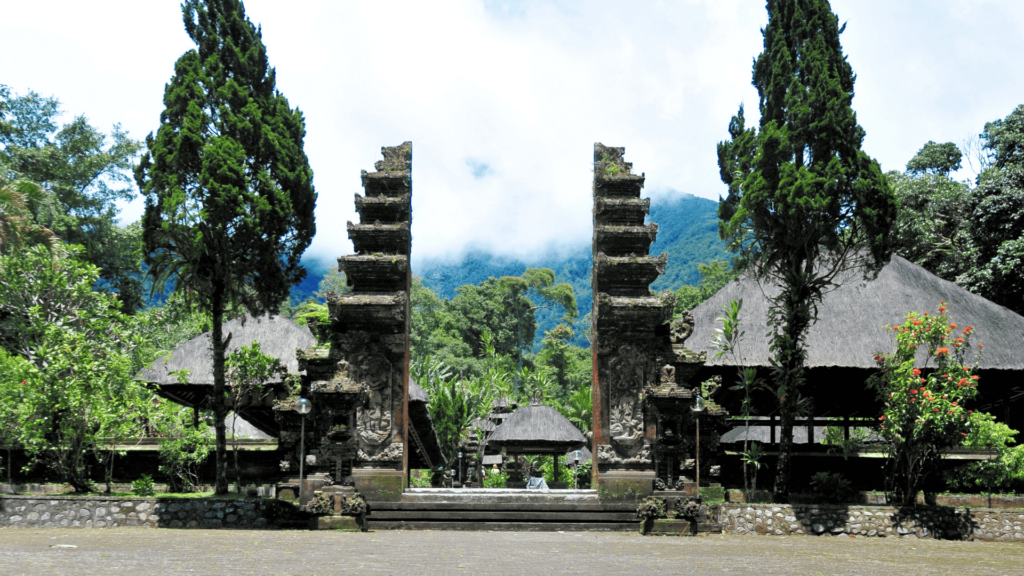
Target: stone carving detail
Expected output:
[392,453]
[668,374]
[627,421]
[682,327]
[626,372]
[606,454]
[373,422]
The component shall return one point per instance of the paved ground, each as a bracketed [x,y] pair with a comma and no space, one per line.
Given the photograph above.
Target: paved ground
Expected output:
[146,551]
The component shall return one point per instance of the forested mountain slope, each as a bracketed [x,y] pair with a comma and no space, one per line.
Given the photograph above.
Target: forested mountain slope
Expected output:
[687,231]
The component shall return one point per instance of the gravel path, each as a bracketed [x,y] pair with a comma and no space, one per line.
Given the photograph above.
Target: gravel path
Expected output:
[148,551]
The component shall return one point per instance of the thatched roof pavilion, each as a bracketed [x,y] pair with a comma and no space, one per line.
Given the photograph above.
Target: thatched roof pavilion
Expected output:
[850,330]
[537,429]
[278,336]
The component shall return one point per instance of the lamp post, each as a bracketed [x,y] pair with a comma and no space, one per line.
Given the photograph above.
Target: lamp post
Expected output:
[460,470]
[576,470]
[697,409]
[303,407]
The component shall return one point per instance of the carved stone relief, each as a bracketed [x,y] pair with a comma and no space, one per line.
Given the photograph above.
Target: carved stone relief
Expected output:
[606,454]
[373,421]
[392,453]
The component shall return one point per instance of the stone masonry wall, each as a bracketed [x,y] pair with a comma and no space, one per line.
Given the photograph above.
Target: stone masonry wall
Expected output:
[873,521]
[99,512]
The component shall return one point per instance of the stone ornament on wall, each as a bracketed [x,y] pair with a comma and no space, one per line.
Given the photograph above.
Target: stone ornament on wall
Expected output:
[373,421]
[606,454]
[392,453]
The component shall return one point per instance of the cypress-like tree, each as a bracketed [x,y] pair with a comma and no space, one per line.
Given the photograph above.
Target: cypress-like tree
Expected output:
[812,206]
[229,191]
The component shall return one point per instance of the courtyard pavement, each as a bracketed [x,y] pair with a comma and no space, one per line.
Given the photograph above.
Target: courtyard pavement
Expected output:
[147,551]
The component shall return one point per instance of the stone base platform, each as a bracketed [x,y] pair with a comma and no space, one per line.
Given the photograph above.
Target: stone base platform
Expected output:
[500,509]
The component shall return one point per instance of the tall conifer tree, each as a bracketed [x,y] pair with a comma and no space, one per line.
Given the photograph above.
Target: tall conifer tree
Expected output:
[812,205]
[229,191]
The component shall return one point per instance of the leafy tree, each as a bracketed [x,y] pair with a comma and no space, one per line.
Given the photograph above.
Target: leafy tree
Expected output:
[939,159]
[714,276]
[19,199]
[83,172]
[924,413]
[569,364]
[578,409]
[996,224]
[813,205]
[72,366]
[933,227]
[184,447]
[333,281]
[229,193]
[249,371]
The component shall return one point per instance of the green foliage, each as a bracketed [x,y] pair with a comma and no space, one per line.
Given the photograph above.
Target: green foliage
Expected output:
[805,202]
[19,200]
[831,488]
[727,341]
[714,276]
[81,173]
[249,373]
[333,282]
[184,446]
[569,364]
[454,403]
[836,440]
[312,310]
[229,191]
[495,480]
[546,466]
[923,413]
[70,358]
[420,478]
[578,408]
[995,224]
[144,486]
[1004,472]
[940,159]
[933,229]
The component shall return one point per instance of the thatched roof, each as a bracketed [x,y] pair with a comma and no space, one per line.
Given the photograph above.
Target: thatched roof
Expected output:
[537,428]
[851,319]
[278,337]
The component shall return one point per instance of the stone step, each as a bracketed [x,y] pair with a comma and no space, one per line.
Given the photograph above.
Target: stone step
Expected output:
[505,526]
[505,506]
[501,516]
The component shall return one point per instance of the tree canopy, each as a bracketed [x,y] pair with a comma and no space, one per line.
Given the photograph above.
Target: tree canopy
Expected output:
[812,204]
[229,191]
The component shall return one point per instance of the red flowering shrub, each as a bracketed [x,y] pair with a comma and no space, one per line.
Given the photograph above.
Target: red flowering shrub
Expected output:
[919,433]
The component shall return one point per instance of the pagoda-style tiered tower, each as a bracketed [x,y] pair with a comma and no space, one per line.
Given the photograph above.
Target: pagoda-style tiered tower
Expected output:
[358,381]
[631,328]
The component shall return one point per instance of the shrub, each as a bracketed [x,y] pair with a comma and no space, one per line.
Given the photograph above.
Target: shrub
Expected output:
[144,486]
[924,413]
[830,488]
[495,480]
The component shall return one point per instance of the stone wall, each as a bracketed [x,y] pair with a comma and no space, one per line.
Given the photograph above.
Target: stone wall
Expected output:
[873,521]
[99,512]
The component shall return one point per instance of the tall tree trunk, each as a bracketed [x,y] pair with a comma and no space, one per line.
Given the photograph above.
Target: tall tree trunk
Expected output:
[796,301]
[217,401]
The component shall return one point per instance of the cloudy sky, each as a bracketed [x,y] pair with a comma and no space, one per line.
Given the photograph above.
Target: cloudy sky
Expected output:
[504,100]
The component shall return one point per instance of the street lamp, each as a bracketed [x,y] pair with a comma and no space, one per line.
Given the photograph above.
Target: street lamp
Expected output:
[460,471]
[697,409]
[303,407]
[576,469]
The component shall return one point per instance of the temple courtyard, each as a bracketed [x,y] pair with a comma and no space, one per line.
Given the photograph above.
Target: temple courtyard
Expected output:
[148,551]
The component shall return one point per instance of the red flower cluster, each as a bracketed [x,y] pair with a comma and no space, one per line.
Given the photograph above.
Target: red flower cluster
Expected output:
[917,371]
[942,350]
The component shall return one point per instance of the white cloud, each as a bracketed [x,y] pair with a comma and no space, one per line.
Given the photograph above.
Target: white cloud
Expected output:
[525,89]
